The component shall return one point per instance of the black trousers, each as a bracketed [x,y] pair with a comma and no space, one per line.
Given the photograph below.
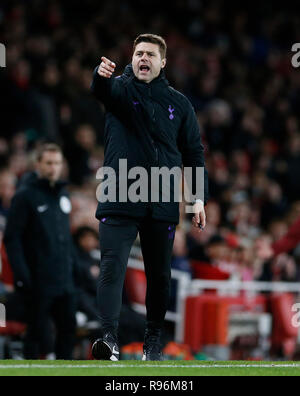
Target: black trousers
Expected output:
[51,326]
[117,235]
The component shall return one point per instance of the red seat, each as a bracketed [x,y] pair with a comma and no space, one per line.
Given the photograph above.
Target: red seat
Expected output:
[6,275]
[136,286]
[284,333]
[13,329]
[205,271]
[207,317]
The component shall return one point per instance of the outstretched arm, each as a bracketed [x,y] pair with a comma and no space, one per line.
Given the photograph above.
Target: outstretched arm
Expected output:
[102,81]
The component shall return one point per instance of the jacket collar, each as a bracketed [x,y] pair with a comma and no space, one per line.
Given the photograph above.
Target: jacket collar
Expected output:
[45,183]
[129,76]
[33,179]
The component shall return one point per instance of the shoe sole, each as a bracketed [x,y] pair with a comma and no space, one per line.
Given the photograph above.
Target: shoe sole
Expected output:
[102,351]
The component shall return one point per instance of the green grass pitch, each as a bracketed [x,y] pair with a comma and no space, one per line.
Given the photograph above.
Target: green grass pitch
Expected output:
[135,368]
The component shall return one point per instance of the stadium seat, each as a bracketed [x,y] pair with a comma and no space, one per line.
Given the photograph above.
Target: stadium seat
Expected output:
[206,271]
[6,275]
[207,317]
[285,335]
[13,329]
[136,286]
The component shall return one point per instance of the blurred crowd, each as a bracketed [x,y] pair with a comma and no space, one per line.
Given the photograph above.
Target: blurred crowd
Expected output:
[233,63]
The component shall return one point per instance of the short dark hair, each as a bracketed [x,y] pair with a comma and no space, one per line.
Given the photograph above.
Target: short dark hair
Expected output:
[47,147]
[82,232]
[153,39]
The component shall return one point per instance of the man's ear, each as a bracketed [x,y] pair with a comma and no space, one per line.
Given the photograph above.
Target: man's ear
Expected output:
[164,62]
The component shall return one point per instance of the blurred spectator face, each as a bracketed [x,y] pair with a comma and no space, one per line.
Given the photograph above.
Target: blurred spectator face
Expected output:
[241,212]
[241,182]
[50,166]
[292,126]
[274,192]
[217,251]
[51,75]
[294,145]
[147,62]
[284,268]
[86,137]
[18,163]
[88,242]
[245,256]
[22,74]
[3,147]
[72,69]
[278,229]
[19,142]
[219,113]
[241,162]
[7,188]
[252,126]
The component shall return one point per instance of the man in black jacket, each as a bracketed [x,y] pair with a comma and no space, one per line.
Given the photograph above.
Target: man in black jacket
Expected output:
[40,250]
[151,125]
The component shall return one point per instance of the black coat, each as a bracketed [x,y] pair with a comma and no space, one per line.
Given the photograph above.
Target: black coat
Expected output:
[38,238]
[151,125]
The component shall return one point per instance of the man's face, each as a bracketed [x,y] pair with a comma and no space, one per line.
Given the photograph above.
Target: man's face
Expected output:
[147,62]
[50,166]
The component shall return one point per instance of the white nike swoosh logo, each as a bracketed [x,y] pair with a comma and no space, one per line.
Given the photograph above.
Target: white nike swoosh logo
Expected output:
[42,209]
[115,352]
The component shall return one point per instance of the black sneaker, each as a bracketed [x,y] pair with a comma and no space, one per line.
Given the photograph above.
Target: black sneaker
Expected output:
[106,348]
[152,347]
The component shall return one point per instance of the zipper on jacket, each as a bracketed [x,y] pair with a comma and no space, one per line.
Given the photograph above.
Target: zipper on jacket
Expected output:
[153,115]
[154,120]
[156,150]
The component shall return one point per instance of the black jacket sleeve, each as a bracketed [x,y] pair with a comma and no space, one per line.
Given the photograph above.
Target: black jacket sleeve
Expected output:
[192,150]
[13,239]
[103,90]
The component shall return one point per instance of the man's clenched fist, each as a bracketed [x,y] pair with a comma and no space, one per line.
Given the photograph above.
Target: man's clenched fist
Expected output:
[106,68]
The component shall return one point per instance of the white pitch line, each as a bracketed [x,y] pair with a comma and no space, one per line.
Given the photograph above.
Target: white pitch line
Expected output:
[41,366]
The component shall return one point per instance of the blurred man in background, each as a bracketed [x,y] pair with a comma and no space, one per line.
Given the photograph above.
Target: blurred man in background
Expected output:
[40,250]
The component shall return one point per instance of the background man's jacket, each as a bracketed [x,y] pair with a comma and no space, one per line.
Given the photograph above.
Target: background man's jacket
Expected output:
[151,125]
[38,238]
